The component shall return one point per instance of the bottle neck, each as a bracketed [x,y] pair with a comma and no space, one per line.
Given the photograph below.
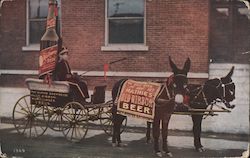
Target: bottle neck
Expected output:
[51,18]
[50,36]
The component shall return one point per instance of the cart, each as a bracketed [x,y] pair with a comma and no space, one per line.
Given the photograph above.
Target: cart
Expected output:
[61,107]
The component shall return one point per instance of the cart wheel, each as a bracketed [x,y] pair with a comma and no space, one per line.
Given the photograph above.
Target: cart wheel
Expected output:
[53,116]
[106,121]
[28,118]
[75,120]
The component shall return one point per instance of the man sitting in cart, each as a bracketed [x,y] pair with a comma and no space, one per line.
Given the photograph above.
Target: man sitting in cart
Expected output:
[63,73]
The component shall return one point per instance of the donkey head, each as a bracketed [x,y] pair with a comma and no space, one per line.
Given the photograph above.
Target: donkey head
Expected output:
[228,87]
[180,80]
[221,88]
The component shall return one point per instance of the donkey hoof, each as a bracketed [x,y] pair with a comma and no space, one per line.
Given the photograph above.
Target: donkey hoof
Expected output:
[158,154]
[200,150]
[122,145]
[148,142]
[113,144]
[3,155]
[168,154]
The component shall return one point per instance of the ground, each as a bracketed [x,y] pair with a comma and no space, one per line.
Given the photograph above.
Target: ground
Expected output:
[98,145]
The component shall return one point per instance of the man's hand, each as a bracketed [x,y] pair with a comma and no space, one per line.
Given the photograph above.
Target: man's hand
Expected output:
[69,76]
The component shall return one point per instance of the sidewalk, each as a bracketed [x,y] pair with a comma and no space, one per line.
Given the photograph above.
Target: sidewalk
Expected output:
[213,141]
[215,144]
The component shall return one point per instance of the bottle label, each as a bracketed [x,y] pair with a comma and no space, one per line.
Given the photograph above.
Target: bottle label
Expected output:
[51,23]
[47,60]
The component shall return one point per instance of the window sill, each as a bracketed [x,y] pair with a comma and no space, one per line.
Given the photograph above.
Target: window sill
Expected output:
[125,47]
[31,47]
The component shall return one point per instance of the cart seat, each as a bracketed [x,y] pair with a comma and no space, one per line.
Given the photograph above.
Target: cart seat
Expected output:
[40,85]
[76,92]
[98,95]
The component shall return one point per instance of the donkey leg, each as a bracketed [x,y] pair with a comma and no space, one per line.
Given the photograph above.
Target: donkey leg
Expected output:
[148,134]
[115,129]
[156,134]
[116,126]
[165,123]
[197,120]
[121,118]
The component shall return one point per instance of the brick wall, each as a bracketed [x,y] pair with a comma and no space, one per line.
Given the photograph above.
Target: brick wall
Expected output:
[176,28]
[13,31]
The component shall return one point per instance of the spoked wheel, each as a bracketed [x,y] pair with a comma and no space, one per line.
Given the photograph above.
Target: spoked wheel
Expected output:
[106,121]
[53,115]
[28,118]
[75,118]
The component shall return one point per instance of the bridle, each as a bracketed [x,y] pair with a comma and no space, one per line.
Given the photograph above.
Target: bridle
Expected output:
[171,78]
[170,81]
[182,75]
[223,85]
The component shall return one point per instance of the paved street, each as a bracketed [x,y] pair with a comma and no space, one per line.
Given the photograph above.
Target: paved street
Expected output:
[98,145]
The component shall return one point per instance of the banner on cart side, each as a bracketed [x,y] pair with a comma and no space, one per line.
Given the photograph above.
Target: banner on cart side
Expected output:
[138,99]
[47,60]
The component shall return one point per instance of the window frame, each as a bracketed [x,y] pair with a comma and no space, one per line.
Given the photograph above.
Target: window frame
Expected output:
[124,46]
[34,46]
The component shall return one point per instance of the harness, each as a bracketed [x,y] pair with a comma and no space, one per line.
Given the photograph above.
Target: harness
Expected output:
[167,87]
[201,91]
[214,102]
[164,87]
[223,85]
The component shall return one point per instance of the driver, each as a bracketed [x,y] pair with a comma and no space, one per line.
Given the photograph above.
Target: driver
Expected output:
[63,72]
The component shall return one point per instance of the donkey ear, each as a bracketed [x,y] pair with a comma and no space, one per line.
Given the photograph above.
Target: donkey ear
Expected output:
[187,64]
[172,65]
[229,75]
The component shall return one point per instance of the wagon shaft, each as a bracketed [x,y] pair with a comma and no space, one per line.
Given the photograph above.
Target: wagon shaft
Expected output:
[208,110]
[195,113]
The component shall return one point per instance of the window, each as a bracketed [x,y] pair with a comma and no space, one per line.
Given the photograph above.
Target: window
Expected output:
[125,21]
[37,11]
[125,25]
[125,28]
[229,31]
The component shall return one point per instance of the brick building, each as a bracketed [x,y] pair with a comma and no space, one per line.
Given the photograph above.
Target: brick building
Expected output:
[96,32]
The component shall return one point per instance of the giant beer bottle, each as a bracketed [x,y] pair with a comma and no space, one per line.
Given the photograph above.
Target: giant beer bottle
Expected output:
[58,29]
[49,44]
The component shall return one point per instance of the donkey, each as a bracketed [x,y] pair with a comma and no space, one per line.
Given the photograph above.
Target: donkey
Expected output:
[214,90]
[200,97]
[171,93]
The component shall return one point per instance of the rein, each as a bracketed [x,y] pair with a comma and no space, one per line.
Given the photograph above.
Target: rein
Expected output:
[181,75]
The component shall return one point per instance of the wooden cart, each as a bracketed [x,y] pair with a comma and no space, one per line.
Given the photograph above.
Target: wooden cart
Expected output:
[58,106]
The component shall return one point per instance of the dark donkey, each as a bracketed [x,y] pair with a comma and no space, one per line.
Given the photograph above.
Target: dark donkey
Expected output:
[171,91]
[212,92]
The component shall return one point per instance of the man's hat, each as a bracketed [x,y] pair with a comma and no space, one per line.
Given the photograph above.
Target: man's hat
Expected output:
[63,51]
